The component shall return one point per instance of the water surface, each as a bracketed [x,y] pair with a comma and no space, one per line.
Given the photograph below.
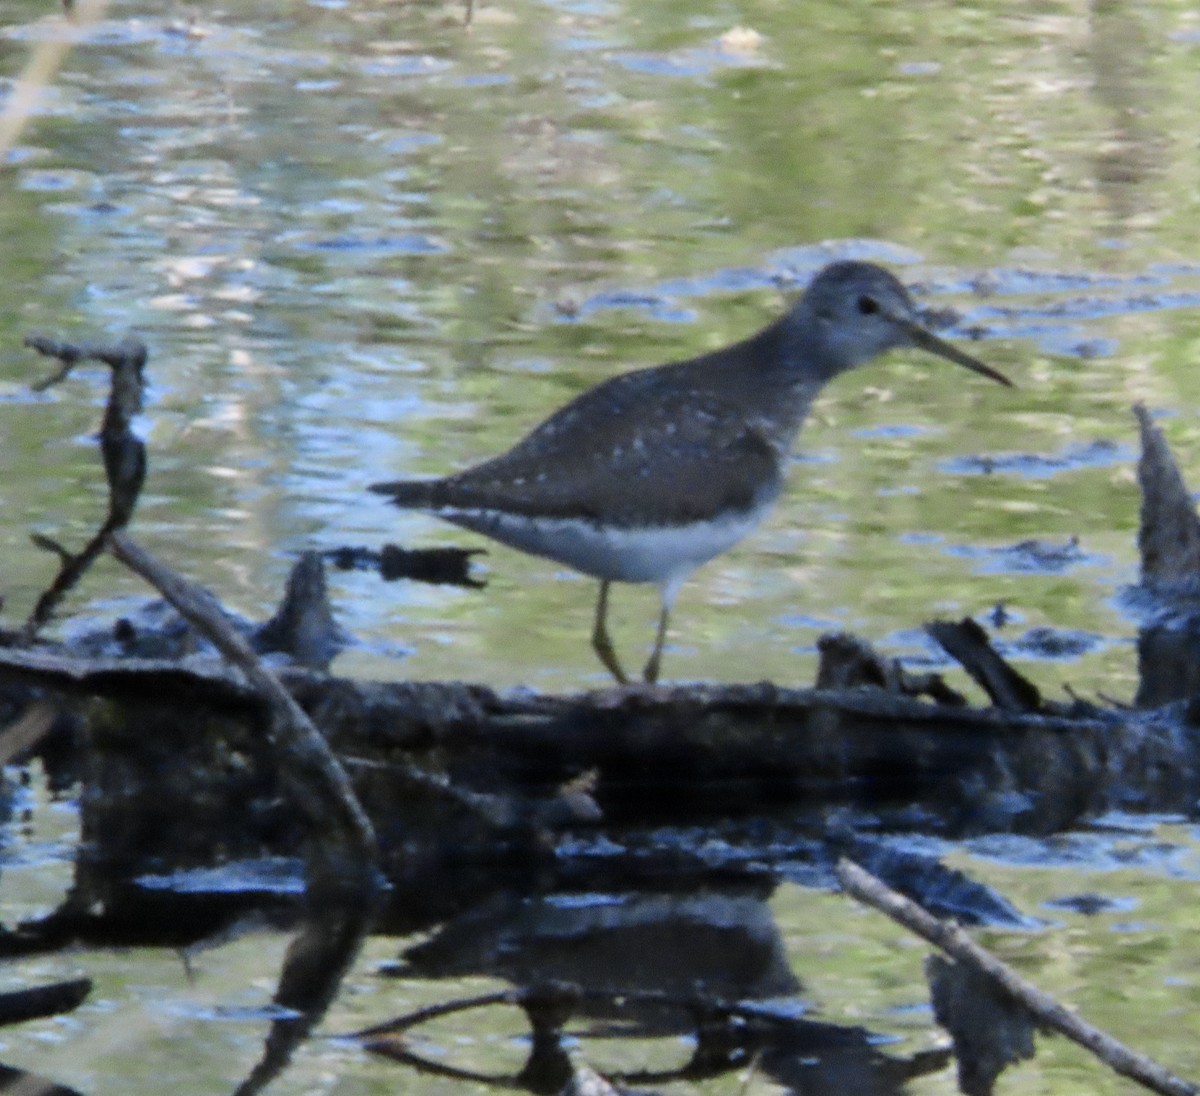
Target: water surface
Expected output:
[363,242]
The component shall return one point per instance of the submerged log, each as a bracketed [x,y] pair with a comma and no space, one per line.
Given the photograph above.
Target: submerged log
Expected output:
[461,771]
[678,753]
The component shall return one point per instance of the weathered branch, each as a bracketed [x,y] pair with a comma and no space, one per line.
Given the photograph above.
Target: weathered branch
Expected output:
[123,452]
[848,661]
[1168,598]
[967,643]
[437,566]
[323,791]
[50,51]
[27,730]
[303,626]
[972,769]
[951,939]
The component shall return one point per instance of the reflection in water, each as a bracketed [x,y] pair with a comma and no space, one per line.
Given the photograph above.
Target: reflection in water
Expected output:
[809,1056]
[22,1082]
[991,1031]
[669,943]
[1168,663]
[317,960]
[27,1004]
[636,966]
[1121,53]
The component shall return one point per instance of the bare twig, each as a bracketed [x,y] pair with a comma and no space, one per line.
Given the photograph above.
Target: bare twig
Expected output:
[71,569]
[585,1081]
[951,939]
[435,1012]
[323,791]
[751,1072]
[123,452]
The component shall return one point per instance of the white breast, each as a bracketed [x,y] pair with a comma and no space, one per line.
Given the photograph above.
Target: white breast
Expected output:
[659,554]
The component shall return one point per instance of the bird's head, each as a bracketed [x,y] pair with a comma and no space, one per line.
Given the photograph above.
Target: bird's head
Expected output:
[853,312]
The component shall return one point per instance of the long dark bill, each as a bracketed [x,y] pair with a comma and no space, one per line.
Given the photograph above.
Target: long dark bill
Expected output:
[926,340]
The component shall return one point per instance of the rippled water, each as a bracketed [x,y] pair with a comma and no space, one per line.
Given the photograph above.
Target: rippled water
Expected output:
[364,242]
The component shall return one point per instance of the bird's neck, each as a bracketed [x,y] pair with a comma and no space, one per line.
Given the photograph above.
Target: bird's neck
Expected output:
[805,350]
[784,382]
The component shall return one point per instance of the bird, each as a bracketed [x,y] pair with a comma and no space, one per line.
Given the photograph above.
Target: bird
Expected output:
[652,473]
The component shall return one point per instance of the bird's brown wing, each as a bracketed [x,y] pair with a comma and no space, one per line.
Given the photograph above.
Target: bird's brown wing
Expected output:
[673,471]
[655,446]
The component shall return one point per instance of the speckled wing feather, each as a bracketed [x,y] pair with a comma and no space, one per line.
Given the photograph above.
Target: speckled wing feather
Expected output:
[632,451]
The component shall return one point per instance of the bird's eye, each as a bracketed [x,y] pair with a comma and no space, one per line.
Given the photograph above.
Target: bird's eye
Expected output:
[868,306]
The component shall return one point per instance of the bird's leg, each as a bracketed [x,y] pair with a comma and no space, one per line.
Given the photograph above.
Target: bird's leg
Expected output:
[650,673]
[601,641]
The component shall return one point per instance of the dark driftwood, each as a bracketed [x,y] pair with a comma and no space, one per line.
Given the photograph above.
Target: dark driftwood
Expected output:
[1169,533]
[967,643]
[700,749]
[303,627]
[848,661]
[959,946]
[1169,594]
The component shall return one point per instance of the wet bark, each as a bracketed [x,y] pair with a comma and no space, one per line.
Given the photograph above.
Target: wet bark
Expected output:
[440,768]
[686,752]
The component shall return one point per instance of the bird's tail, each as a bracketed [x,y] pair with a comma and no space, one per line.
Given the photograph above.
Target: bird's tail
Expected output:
[412,494]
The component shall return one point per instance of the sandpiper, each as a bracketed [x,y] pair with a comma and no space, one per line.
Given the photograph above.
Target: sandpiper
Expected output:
[652,473]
